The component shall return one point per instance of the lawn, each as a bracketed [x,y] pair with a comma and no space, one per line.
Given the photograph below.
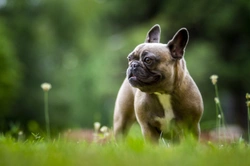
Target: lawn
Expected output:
[133,151]
[129,152]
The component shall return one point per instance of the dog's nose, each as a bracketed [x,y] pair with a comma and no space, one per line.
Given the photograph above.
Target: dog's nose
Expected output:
[134,65]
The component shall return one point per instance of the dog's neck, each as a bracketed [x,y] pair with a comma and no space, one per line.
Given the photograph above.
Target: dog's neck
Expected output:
[181,73]
[180,76]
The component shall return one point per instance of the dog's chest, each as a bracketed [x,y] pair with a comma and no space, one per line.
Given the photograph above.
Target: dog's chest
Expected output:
[165,101]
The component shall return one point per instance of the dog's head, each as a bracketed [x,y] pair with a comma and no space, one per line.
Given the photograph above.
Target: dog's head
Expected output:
[151,64]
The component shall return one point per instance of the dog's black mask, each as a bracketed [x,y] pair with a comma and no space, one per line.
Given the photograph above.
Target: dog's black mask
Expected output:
[141,73]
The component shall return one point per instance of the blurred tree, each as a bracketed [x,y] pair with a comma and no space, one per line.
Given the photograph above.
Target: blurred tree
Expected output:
[10,74]
[54,41]
[80,47]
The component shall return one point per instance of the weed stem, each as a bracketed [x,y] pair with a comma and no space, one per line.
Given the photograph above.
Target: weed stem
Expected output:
[46,110]
[248,122]
[219,106]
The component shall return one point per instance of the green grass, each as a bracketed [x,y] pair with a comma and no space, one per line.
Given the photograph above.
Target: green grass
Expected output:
[133,151]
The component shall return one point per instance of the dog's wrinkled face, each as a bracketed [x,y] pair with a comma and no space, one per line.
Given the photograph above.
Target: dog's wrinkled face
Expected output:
[151,64]
[151,67]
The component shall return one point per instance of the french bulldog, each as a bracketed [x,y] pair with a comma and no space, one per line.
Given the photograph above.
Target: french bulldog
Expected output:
[159,92]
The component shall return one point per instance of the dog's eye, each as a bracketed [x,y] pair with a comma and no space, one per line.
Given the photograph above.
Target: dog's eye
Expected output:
[147,60]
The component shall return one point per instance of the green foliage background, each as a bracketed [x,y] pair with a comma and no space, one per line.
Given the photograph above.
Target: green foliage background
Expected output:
[80,47]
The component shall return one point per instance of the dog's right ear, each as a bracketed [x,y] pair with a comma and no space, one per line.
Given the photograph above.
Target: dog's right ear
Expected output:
[153,35]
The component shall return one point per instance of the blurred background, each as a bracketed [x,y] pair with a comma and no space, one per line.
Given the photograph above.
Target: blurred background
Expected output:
[80,47]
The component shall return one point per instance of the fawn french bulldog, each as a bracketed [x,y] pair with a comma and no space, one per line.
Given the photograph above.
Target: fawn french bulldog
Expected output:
[159,92]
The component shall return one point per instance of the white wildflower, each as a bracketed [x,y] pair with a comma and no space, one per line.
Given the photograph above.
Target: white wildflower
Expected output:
[97,126]
[214,79]
[46,86]
[248,103]
[104,129]
[105,132]
[248,96]
[216,99]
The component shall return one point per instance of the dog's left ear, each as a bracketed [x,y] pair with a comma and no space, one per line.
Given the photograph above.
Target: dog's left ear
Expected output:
[153,35]
[178,43]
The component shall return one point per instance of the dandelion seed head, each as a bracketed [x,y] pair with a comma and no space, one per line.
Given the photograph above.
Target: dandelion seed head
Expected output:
[248,96]
[97,126]
[248,103]
[214,79]
[20,133]
[104,129]
[217,101]
[46,86]
[106,134]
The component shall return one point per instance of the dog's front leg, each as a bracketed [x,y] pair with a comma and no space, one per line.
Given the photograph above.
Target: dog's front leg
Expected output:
[124,115]
[195,131]
[150,133]
[122,123]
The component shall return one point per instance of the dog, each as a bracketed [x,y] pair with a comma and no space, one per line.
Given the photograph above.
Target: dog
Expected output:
[158,91]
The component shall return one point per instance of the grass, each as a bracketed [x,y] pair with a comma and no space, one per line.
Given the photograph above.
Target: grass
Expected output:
[133,151]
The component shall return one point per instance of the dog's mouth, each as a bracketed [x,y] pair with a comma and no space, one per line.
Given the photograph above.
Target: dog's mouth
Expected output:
[131,76]
[138,80]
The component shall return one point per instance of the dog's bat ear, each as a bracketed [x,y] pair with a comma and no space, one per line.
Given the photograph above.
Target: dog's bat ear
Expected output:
[153,35]
[178,43]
